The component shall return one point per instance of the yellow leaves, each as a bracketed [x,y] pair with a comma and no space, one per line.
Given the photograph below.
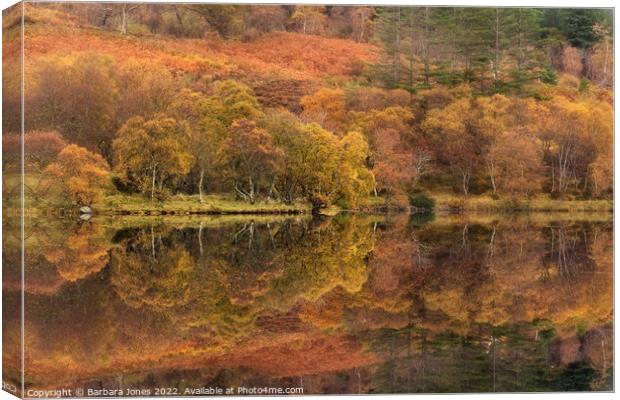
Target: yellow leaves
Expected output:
[356,180]
[152,151]
[237,101]
[355,147]
[452,129]
[451,119]
[397,118]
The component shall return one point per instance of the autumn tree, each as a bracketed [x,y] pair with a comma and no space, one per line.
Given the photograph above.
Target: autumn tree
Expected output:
[513,158]
[568,144]
[602,172]
[391,154]
[76,96]
[515,163]
[205,130]
[309,19]
[310,164]
[80,174]
[600,127]
[144,89]
[355,179]
[209,118]
[361,23]
[318,166]
[492,120]
[223,19]
[236,101]
[152,152]
[250,158]
[459,145]
[326,107]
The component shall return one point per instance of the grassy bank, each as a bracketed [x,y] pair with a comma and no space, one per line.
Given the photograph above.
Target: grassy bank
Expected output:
[227,204]
[123,204]
[485,203]
[187,205]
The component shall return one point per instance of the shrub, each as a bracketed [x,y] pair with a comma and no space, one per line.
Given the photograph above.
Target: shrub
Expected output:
[420,200]
[82,175]
[549,76]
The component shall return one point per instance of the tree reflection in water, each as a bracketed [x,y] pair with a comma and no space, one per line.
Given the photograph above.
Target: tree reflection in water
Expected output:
[350,304]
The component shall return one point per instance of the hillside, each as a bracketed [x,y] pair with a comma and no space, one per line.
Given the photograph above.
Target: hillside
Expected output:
[299,61]
[274,106]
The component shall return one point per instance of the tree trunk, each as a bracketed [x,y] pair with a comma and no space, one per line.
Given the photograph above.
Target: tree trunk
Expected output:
[362,27]
[520,41]
[552,176]
[179,19]
[200,238]
[240,192]
[124,19]
[153,184]
[496,63]
[397,48]
[412,52]
[316,208]
[605,75]
[426,46]
[251,194]
[152,242]
[492,175]
[202,175]
[465,175]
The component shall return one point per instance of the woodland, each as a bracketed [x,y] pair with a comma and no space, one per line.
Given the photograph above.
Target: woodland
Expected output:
[180,109]
[288,108]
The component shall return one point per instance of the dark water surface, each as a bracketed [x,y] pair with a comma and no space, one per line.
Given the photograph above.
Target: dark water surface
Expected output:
[350,304]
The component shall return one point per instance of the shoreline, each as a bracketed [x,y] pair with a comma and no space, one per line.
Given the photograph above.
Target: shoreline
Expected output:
[120,205]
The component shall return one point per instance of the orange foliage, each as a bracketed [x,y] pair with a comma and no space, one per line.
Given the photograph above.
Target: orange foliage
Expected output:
[312,55]
[80,173]
[371,98]
[280,53]
[326,108]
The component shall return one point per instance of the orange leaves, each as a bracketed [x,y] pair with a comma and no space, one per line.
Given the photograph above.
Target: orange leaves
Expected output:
[283,53]
[250,148]
[300,55]
[326,107]
[81,174]
[372,98]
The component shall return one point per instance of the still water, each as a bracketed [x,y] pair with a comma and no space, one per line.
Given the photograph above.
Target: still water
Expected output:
[349,304]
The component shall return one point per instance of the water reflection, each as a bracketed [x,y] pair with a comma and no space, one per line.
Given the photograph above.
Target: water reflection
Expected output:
[351,304]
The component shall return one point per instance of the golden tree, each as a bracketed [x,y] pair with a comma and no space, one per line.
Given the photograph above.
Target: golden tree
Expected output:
[80,174]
